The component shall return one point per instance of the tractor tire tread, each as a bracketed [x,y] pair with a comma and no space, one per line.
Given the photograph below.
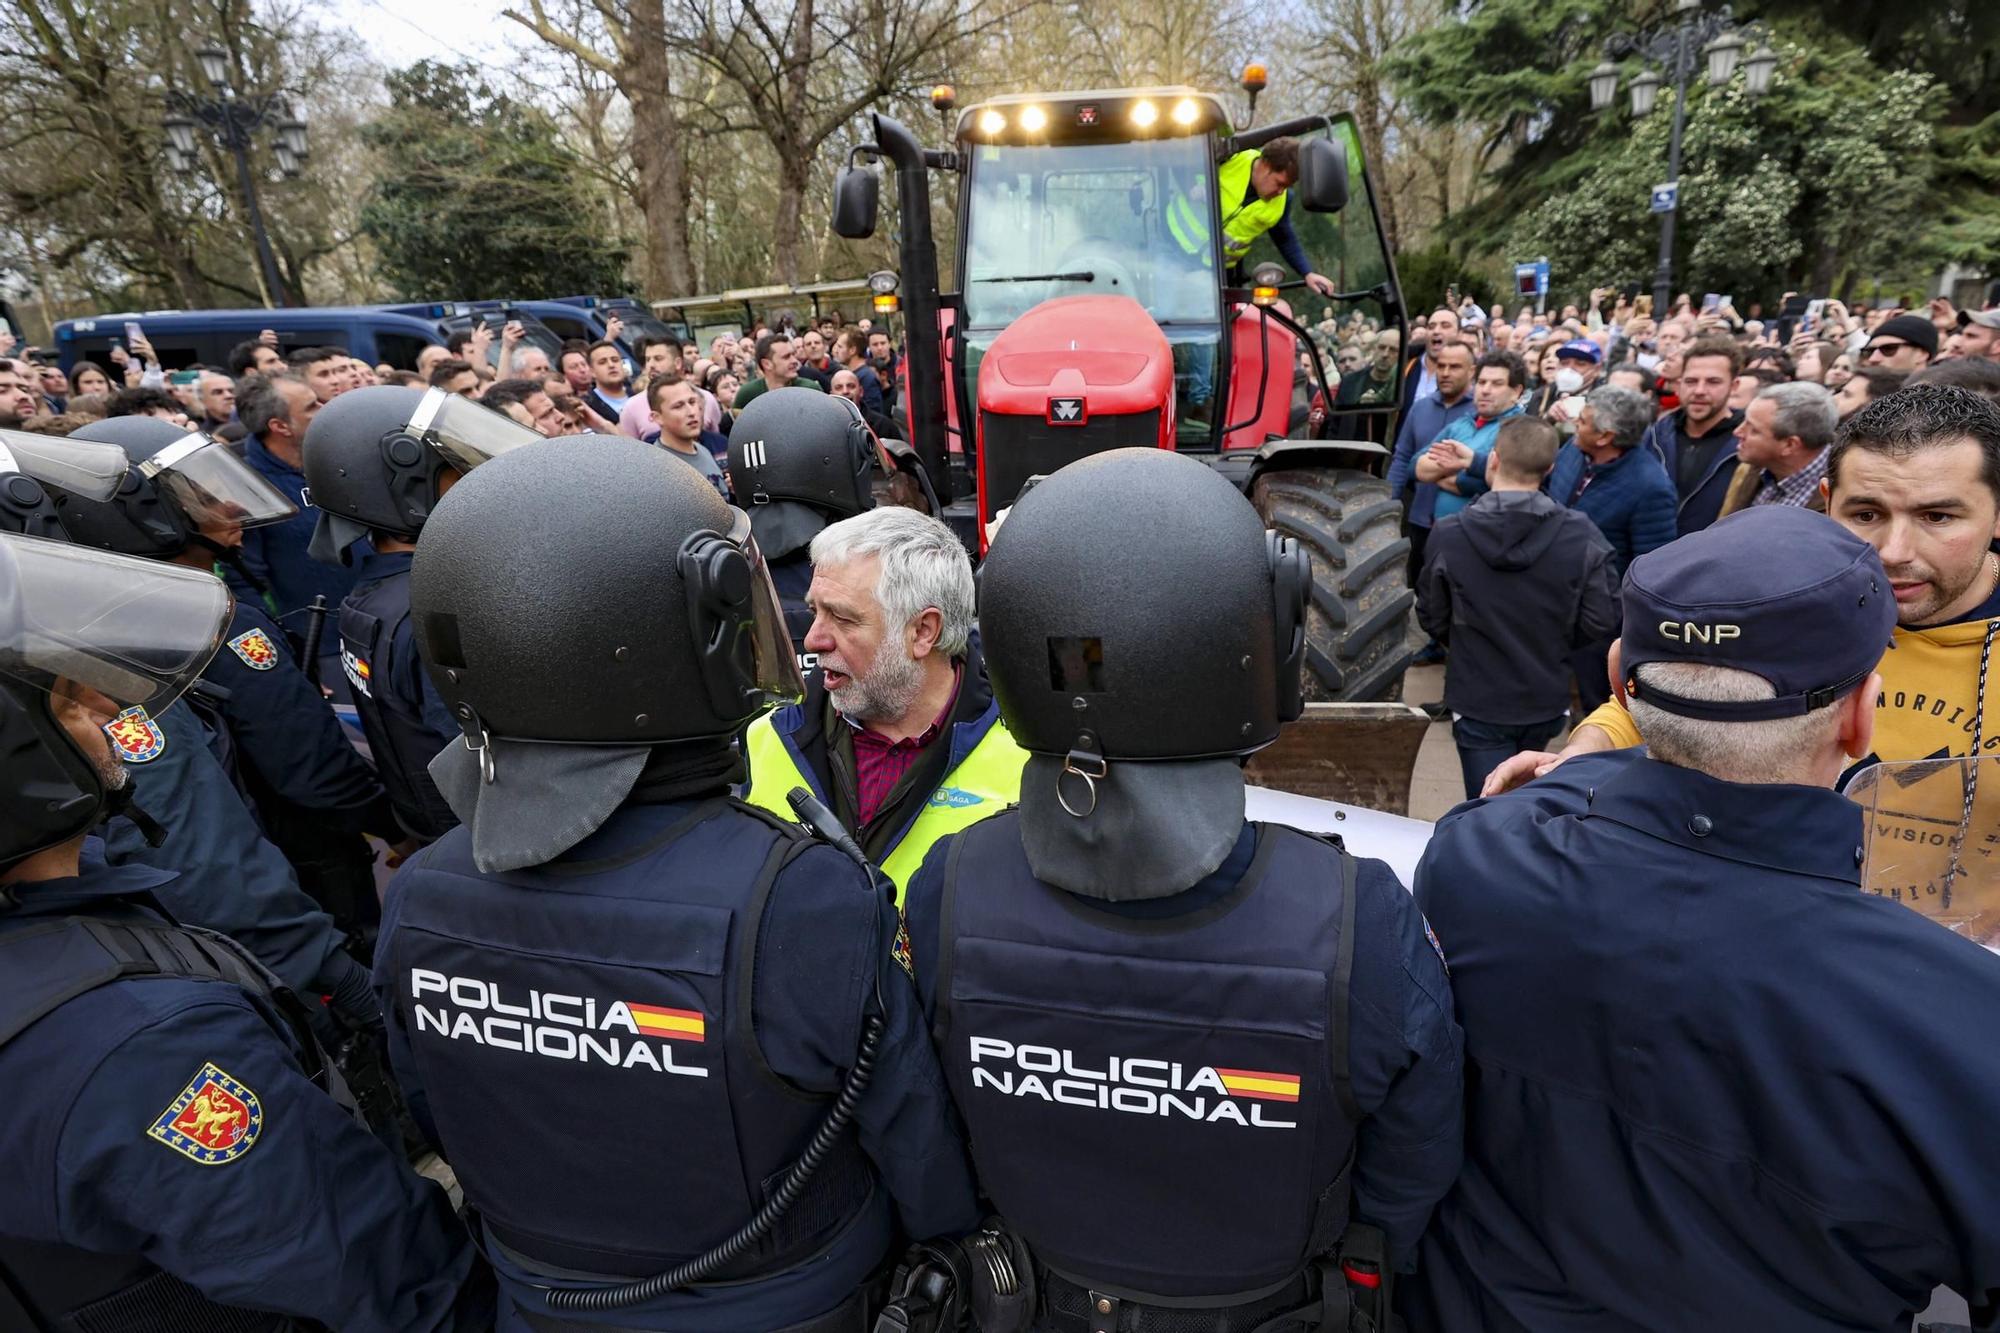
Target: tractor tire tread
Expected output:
[1358,611]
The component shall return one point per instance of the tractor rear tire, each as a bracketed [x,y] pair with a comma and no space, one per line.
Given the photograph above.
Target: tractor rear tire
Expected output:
[1358,617]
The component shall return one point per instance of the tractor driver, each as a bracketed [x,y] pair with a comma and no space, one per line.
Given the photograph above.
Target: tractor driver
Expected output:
[1254,198]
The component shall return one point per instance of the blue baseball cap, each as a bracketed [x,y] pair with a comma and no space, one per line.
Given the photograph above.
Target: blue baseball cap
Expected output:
[1775,590]
[1583,349]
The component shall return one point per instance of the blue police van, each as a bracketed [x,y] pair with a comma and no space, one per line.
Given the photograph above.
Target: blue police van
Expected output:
[587,317]
[190,337]
[391,335]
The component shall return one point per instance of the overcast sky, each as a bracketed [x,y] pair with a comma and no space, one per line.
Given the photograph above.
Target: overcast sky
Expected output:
[401,32]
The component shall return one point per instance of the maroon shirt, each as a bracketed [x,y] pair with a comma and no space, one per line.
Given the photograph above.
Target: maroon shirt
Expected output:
[880,763]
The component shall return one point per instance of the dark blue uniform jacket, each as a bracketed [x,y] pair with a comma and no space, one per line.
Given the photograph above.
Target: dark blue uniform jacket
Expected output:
[315,1218]
[228,877]
[287,735]
[552,1159]
[1403,1054]
[1712,1084]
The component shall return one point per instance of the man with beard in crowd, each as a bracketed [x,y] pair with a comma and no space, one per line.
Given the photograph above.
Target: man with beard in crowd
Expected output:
[899,710]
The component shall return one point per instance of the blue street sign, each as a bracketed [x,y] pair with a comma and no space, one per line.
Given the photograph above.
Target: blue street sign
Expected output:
[1665,197]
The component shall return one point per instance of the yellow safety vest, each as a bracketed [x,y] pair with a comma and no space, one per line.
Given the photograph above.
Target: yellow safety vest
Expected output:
[1242,223]
[984,783]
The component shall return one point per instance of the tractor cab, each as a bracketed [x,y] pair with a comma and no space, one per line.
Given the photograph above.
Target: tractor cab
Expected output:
[1103,303]
[1094,203]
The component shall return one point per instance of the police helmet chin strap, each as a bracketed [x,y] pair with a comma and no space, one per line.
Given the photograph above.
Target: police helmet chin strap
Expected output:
[838,1118]
[1084,761]
[472,731]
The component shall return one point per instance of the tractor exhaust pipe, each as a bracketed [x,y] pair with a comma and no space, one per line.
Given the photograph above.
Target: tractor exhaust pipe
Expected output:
[917,258]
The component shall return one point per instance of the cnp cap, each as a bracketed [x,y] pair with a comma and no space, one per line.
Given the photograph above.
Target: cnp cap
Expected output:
[1778,591]
[1580,349]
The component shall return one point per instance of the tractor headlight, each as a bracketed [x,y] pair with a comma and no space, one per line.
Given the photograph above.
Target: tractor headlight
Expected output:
[1033,119]
[1186,112]
[1144,114]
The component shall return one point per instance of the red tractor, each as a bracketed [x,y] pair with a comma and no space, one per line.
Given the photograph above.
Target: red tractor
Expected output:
[1096,311]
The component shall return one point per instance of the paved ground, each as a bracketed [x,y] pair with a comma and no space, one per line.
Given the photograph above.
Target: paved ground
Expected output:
[1436,785]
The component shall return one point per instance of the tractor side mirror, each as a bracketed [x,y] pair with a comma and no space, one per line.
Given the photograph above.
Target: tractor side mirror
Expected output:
[856,197]
[1322,176]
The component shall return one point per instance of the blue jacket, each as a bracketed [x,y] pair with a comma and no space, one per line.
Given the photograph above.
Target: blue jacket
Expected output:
[314,1217]
[1702,505]
[1471,484]
[1631,499]
[1421,427]
[230,879]
[286,734]
[1712,1084]
[276,552]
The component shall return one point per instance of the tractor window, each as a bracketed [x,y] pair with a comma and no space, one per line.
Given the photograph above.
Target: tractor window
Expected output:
[1073,219]
[1359,336]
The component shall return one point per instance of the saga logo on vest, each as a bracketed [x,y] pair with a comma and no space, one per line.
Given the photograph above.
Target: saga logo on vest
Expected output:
[560,1027]
[1133,1085]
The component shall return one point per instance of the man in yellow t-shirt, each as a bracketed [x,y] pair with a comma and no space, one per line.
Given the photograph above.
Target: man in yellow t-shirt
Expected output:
[1917,474]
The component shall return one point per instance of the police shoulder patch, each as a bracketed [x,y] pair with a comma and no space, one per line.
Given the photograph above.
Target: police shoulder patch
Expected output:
[901,950]
[135,737]
[254,646]
[215,1119]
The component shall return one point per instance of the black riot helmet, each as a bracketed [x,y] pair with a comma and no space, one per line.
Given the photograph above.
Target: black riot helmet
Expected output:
[31,464]
[595,590]
[1133,607]
[110,635]
[375,458]
[182,487]
[796,445]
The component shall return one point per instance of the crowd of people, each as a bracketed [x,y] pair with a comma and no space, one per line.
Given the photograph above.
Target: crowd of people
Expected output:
[591,389]
[1653,429]
[786,922]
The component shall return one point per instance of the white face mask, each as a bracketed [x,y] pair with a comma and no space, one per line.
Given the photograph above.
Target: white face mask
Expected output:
[1568,381]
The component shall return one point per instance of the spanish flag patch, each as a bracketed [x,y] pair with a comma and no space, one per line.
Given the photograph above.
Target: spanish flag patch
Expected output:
[676,1024]
[1259,1083]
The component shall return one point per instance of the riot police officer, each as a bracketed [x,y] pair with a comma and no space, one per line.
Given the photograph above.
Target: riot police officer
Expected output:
[188,500]
[171,1155]
[1189,1051]
[179,810]
[798,461]
[624,1002]
[377,460]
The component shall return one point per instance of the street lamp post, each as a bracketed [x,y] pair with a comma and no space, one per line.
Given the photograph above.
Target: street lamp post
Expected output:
[1694,37]
[235,121]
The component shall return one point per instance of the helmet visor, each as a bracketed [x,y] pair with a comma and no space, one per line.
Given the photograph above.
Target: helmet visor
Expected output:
[84,469]
[774,665]
[465,433]
[214,487]
[136,631]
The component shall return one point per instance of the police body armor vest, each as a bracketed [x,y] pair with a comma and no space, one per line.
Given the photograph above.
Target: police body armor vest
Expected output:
[1158,1106]
[402,744]
[45,962]
[583,1034]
